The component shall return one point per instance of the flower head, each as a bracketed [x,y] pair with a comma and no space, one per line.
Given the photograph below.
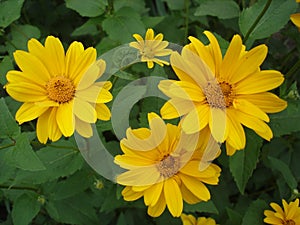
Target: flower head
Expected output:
[165,166]
[151,48]
[289,215]
[222,93]
[191,220]
[295,18]
[59,89]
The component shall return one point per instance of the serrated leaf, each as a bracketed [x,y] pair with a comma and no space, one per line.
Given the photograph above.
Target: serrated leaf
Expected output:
[59,161]
[4,166]
[9,127]
[287,121]
[123,24]
[243,162]
[22,33]
[223,9]
[280,166]
[89,8]
[10,10]
[25,208]
[5,65]
[23,156]
[206,207]
[276,16]
[255,213]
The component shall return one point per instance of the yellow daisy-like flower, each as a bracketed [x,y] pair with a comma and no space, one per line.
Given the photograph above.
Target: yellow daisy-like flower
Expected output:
[289,215]
[295,18]
[191,220]
[151,48]
[222,93]
[165,166]
[59,89]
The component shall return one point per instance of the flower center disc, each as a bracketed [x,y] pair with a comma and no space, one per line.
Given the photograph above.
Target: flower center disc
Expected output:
[148,53]
[60,89]
[219,95]
[168,167]
[290,222]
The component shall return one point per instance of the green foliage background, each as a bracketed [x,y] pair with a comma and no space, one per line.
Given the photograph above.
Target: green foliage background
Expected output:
[52,184]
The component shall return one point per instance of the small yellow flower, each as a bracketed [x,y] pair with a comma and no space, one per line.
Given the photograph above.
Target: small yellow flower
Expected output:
[289,215]
[151,48]
[295,18]
[59,89]
[222,93]
[163,166]
[191,220]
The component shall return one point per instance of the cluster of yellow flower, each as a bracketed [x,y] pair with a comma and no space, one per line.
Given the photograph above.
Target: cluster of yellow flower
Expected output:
[166,164]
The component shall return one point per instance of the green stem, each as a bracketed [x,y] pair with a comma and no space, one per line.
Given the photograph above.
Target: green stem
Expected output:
[110,7]
[257,20]
[18,188]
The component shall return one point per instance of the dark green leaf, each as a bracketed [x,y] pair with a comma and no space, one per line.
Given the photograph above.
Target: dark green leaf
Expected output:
[22,155]
[126,76]
[5,65]
[10,10]
[88,28]
[243,163]
[287,121]
[235,218]
[25,208]
[255,213]
[276,16]
[89,8]
[122,220]
[9,127]
[280,166]
[175,5]
[207,207]
[223,9]
[137,6]
[123,24]
[152,21]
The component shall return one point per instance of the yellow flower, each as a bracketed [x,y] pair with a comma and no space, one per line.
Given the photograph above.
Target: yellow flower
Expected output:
[222,93]
[167,166]
[295,18]
[289,215]
[191,220]
[151,48]
[59,89]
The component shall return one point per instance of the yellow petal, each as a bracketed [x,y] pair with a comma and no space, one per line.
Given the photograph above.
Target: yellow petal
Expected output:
[53,129]
[196,187]
[130,195]
[72,58]
[188,219]
[249,63]
[217,124]
[174,108]
[188,196]
[251,109]
[157,209]
[103,112]
[29,111]
[84,111]
[83,128]
[173,197]
[196,119]
[152,194]
[266,101]
[42,127]
[149,34]
[32,66]
[186,90]
[260,82]
[56,54]
[26,92]
[65,118]
[295,18]
[236,134]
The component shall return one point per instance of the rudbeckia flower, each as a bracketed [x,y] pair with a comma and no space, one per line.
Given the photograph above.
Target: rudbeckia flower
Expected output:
[222,93]
[191,220]
[166,166]
[289,215]
[59,89]
[151,48]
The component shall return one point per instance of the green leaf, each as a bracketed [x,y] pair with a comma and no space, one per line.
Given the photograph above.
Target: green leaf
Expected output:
[126,76]
[175,5]
[276,17]
[123,24]
[25,208]
[22,155]
[283,168]
[243,162]
[5,65]
[88,28]
[152,21]
[10,10]
[122,220]
[207,207]
[89,8]
[234,217]
[61,159]
[223,9]
[137,6]
[9,127]
[287,121]
[4,166]
[255,213]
